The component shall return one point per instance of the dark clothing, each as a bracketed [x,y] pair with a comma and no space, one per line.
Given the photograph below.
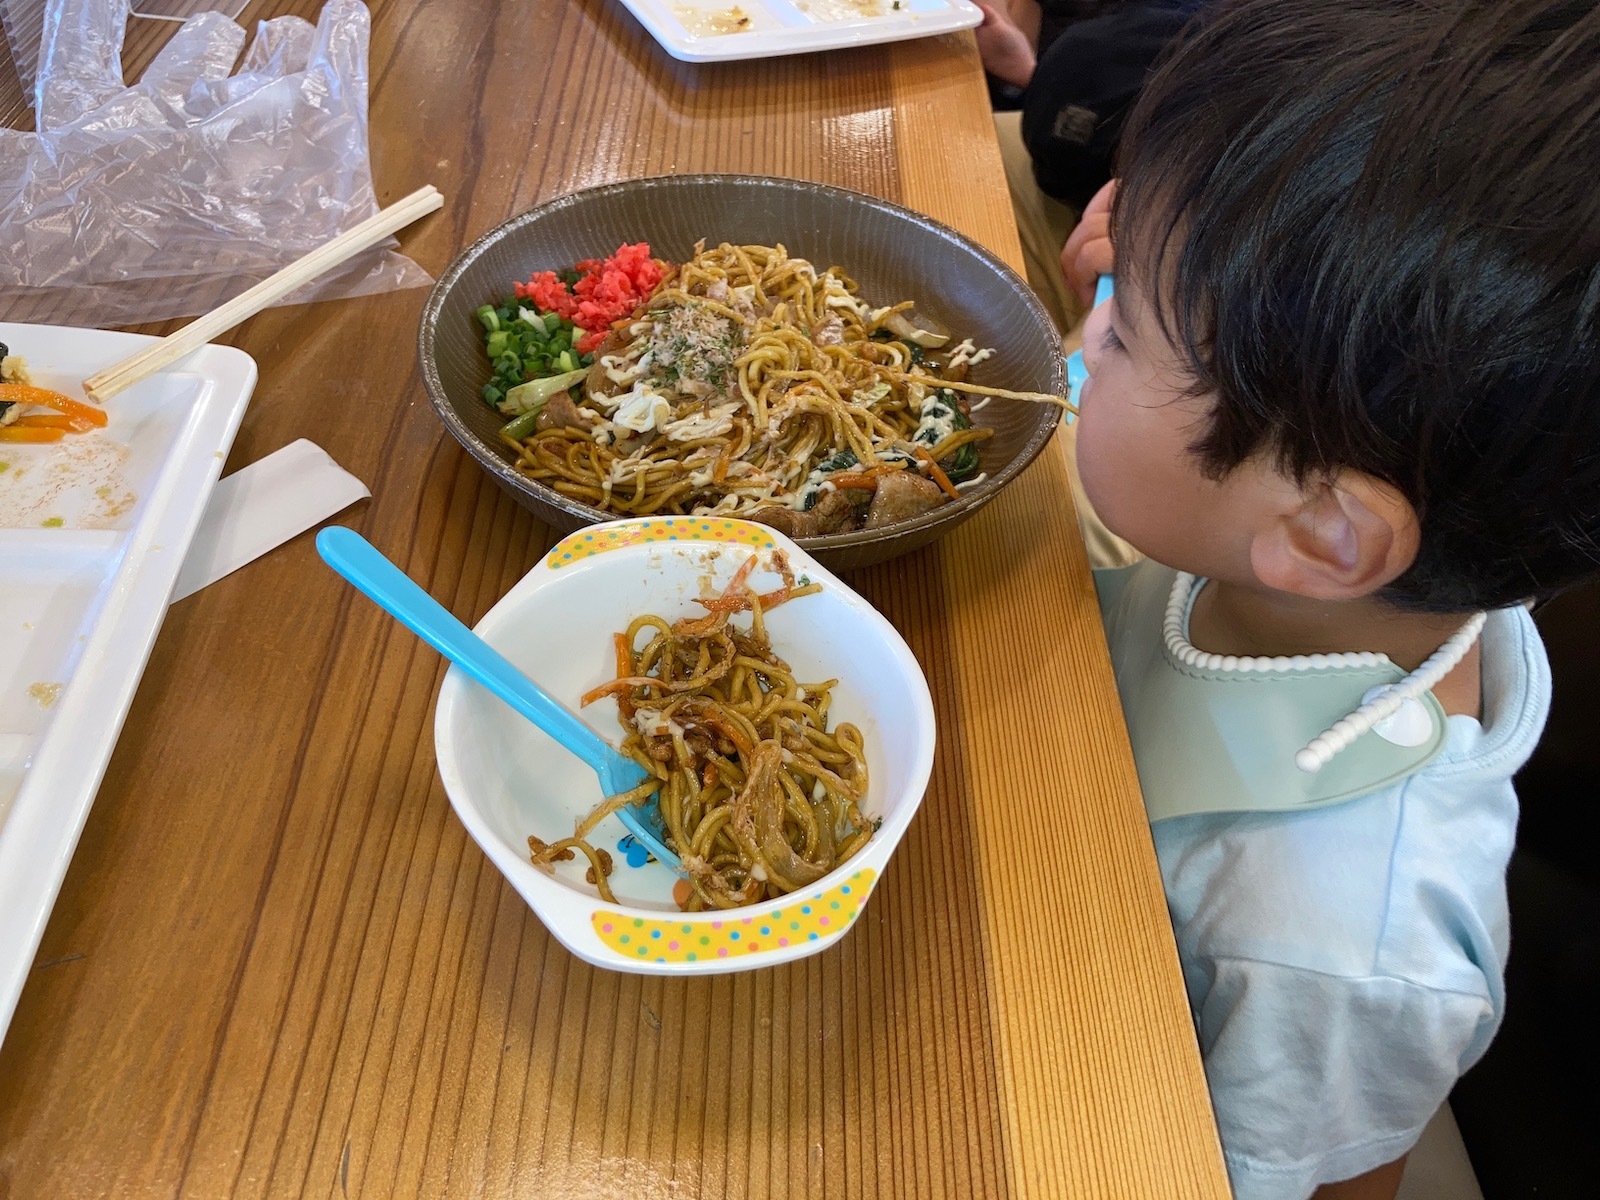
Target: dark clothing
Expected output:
[1093,59]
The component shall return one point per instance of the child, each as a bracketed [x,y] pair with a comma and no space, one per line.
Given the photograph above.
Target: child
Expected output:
[1346,397]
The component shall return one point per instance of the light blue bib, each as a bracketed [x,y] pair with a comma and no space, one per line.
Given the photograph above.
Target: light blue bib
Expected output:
[1214,741]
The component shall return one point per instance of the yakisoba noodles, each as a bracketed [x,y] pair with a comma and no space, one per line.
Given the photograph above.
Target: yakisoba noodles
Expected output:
[749,383]
[758,795]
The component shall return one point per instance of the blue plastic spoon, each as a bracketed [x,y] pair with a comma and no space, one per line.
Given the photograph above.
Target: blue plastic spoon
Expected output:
[350,554]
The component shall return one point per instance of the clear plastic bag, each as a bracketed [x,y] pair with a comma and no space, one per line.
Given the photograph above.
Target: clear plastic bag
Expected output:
[166,198]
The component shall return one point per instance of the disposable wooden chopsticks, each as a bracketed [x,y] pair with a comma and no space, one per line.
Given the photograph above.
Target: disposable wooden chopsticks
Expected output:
[324,258]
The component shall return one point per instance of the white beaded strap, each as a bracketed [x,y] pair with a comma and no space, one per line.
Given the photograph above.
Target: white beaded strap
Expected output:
[1175,623]
[1319,751]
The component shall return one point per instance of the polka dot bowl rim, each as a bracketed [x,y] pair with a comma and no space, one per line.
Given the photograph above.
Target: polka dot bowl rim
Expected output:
[576,576]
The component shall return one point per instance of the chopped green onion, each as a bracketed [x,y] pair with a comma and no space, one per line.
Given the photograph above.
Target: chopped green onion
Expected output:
[533,395]
[520,427]
[524,346]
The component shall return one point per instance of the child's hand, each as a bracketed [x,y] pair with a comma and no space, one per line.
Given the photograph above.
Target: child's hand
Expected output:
[1006,51]
[1088,253]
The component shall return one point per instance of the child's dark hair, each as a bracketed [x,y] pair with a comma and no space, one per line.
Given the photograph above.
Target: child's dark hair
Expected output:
[1374,230]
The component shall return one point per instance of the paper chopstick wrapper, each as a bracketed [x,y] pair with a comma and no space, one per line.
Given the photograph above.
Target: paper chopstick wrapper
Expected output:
[262,506]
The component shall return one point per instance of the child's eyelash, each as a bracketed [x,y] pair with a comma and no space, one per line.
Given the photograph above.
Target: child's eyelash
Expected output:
[1110,342]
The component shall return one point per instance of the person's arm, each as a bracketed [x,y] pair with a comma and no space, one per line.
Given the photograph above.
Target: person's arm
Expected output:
[1380,1183]
[1008,39]
[1316,1076]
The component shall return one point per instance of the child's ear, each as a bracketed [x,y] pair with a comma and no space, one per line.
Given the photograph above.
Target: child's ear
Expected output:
[1347,537]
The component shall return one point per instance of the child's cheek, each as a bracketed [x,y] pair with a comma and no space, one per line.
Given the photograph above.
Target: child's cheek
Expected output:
[1096,467]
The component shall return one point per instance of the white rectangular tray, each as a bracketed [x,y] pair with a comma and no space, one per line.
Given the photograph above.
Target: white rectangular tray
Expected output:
[693,30]
[93,530]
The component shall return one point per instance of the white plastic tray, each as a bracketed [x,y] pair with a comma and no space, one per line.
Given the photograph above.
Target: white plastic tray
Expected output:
[93,530]
[693,29]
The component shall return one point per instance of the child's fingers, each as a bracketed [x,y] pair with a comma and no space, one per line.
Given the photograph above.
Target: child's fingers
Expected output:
[1101,202]
[1087,255]
[1085,271]
[1091,228]
[1095,260]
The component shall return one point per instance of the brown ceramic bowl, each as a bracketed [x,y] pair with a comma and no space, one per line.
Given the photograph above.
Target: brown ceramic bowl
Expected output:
[894,254]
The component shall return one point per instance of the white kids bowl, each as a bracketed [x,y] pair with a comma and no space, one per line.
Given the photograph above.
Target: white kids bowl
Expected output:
[507,780]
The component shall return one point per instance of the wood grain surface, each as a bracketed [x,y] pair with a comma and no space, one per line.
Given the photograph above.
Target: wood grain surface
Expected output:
[278,966]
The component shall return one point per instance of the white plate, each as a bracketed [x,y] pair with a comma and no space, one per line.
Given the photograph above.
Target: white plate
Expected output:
[93,530]
[693,29]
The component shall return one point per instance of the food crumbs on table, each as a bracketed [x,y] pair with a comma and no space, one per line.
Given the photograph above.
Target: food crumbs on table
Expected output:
[45,693]
[53,522]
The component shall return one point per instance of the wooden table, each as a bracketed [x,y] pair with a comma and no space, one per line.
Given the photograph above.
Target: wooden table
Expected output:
[279,967]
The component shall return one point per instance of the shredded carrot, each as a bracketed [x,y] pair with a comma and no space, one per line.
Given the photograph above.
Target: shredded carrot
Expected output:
[939,476]
[859,479]
[737,582]
[624,665]
[701,626]
[21,393]
[727,729]
[625,684]
[17,432]
[732,600]
[721,604]
[50,421]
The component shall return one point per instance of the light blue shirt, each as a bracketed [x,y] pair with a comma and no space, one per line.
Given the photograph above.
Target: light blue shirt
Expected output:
[1345,965]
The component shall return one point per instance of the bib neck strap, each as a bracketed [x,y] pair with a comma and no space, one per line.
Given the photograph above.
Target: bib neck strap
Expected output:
[1379,706]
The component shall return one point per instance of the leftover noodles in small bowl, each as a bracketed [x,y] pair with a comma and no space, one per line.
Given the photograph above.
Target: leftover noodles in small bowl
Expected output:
[853,784]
